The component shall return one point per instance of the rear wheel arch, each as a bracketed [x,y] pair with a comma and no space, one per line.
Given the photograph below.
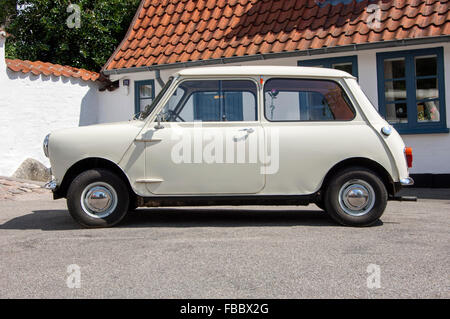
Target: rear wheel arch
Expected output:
[87,164]
[362,162]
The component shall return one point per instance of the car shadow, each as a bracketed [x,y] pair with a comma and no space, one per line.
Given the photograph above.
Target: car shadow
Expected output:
[58,220]
[427,193]
[225,217]
[47,220]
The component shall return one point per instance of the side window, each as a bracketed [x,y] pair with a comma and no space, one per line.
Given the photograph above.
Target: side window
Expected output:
[306,100]
[213,101]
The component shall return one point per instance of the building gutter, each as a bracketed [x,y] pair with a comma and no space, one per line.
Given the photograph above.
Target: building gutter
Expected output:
[158,78]
[299,53]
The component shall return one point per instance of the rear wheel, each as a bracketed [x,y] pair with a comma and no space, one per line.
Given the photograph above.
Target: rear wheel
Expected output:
[356,197]
[98,198]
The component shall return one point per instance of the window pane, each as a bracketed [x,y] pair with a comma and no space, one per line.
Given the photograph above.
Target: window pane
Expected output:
[415,99]
[314,107]
[305,100]
[346,67]
[282,105]
[144,103]
[428,111]
[394,68]
[173,104]
[396,113]
[213,101]
[207,106]
[395,90]
[239,106]
[427,88]
[426,66]
[176,98]
[187,113]
[146,91]
[239,100]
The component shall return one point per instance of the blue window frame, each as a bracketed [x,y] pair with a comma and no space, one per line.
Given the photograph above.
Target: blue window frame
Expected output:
[345,63]
[411,90]
[144,94]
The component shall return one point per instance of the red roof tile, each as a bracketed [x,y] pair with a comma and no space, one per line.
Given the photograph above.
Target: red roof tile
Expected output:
[47,69]
[171,31]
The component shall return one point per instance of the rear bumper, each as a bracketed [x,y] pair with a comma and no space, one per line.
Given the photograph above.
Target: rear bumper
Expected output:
[398,186]
[407,181]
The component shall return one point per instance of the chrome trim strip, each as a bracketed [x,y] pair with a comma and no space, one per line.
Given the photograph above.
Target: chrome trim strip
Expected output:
[149,180]
[407,181]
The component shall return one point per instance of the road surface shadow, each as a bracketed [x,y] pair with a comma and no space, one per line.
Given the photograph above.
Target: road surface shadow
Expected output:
[225,217]
[44,220]
[56,220]
[427,193]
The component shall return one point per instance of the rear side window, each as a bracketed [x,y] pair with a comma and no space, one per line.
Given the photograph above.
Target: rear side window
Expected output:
[306,100]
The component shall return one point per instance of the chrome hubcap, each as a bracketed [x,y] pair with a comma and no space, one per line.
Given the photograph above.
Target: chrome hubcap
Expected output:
[99,200]
[356,197]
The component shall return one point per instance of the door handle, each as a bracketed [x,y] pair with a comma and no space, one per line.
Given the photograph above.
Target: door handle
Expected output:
[248,130]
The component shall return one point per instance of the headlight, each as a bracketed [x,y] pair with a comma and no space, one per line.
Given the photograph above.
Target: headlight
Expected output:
[45,146]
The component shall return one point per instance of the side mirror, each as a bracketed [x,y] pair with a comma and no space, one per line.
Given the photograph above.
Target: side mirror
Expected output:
[158,119]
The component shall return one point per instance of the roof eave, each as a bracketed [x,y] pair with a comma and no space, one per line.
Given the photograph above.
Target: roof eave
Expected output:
[266,56]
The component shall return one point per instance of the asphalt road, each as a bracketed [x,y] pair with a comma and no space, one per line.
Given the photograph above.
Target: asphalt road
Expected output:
[286,252]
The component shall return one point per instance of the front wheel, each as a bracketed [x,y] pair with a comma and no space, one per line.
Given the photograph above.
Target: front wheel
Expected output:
[320,204]
[356,197]
[98,198]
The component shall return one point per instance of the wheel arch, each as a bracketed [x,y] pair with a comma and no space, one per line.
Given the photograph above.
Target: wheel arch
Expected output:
[86,164]
[365,163]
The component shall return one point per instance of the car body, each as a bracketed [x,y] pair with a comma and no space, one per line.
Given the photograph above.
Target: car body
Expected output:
[237,135]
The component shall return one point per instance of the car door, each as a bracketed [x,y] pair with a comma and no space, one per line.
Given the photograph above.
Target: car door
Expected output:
[207,142]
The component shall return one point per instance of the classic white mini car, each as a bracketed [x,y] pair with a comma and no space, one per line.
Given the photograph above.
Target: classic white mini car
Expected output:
[241,135]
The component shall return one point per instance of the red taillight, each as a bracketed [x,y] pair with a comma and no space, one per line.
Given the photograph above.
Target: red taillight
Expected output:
[409,156]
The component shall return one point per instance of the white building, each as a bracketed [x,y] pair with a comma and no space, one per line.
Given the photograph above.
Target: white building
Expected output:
[37,98]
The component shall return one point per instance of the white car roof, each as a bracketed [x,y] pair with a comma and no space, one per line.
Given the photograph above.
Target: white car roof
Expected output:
[264,71]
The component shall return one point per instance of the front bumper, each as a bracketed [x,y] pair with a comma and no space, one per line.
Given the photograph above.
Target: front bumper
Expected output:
[407,181]
[55,188]
[52,185]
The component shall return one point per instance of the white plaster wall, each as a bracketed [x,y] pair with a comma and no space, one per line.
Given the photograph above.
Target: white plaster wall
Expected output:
[2,52]
[431,151]
[118,105]
[32,106]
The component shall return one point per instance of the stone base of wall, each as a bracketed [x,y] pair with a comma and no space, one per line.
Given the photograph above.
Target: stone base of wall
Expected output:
[13,188]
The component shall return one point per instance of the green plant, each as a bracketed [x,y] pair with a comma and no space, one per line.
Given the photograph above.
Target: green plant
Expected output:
[39,31]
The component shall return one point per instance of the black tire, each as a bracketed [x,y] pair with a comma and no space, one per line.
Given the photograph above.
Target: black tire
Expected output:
[133,204]
[113,183]
[320,204]
[343,181]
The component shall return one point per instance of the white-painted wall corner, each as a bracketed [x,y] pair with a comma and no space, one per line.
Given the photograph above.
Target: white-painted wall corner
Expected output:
[2,53]
[31,106]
